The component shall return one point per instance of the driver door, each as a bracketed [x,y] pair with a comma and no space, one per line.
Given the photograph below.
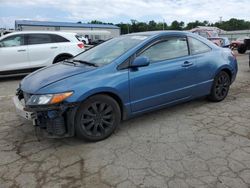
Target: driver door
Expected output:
[168,78]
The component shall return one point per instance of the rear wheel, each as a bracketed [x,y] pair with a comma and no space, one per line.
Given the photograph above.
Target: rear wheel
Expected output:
[220,87]
[97,118]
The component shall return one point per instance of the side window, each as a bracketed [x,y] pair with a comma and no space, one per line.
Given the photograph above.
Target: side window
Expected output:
[38,39]
[16,40]
[57,38]
[198,47]
[167,49]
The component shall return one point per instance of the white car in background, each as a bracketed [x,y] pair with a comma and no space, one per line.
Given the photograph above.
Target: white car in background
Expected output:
[22,52]
[85,40]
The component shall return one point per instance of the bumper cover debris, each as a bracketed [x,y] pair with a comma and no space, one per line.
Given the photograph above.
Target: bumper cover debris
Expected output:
[56,120]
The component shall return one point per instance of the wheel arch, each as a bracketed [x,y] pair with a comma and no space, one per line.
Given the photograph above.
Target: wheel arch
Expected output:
[61,54]
[227,69]
[111,94]
[228,72]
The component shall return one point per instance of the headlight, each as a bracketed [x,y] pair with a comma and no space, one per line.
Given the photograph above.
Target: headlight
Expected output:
[48,98]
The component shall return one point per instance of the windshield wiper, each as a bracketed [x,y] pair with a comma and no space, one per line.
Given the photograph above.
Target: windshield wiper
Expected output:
[85,62]
[67,61]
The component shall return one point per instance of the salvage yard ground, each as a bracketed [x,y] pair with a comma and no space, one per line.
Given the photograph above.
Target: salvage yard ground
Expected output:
[196,144]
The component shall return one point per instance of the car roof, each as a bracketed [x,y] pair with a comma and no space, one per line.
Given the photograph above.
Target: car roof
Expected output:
[38,32]
[156,33]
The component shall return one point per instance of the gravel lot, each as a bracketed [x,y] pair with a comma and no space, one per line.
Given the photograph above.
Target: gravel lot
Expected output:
[196,144]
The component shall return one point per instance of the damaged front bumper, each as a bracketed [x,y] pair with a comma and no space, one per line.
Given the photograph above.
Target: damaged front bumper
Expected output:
[20,110]
[56,120]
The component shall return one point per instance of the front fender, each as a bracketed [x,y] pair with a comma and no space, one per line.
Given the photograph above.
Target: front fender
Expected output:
[89,93]
[125,105]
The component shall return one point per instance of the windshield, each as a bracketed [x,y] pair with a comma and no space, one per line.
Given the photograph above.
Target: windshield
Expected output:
[108,51]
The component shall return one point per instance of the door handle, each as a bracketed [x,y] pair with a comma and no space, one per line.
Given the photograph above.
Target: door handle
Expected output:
[187,64]
[53,47]
[21,50]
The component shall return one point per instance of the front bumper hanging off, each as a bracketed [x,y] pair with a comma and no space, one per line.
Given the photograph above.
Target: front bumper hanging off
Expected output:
[20,110]
[56,120]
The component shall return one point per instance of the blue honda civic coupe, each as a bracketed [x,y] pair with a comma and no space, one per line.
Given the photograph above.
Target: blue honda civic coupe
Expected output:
[91,93]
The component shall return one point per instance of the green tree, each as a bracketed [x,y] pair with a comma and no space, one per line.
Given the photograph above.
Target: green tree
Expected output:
[175,25]
[125,28]
[192,25]
[152,25]
[233,24]
[136,26]
[96,22]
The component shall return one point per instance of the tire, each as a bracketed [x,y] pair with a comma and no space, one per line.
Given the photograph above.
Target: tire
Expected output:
[61,58]
[220,87]
[242,49]
[97,118]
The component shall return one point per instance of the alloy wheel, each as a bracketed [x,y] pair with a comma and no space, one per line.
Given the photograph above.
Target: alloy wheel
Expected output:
[222,86]
[97,119]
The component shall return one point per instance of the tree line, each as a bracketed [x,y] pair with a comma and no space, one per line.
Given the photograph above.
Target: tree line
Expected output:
[137,26]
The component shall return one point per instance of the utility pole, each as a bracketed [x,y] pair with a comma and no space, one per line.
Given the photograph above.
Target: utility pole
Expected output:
[163,24]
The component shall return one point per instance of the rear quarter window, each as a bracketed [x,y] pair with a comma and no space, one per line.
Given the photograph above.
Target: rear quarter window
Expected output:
[197,47]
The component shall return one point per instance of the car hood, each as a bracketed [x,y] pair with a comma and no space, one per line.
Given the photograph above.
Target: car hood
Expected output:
[51,74]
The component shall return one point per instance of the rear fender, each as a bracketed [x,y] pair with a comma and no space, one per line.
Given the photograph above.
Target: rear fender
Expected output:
[228,69]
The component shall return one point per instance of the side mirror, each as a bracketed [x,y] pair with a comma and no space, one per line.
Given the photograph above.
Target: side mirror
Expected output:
[141,61]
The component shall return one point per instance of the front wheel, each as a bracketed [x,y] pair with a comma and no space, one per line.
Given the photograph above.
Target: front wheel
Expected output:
[220,87]
[97,118]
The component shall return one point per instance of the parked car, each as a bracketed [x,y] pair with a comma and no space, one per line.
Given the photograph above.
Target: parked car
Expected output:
[23,52]
[242,48]
[212,34]
[206,32]
[220,41]
[85,40]
[235,44]
[5,32]
[126,76]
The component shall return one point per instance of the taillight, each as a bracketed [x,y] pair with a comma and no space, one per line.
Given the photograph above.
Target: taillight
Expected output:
[233,53]
[80,45]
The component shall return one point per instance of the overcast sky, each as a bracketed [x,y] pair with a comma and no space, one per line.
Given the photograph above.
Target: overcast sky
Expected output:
[117,11]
